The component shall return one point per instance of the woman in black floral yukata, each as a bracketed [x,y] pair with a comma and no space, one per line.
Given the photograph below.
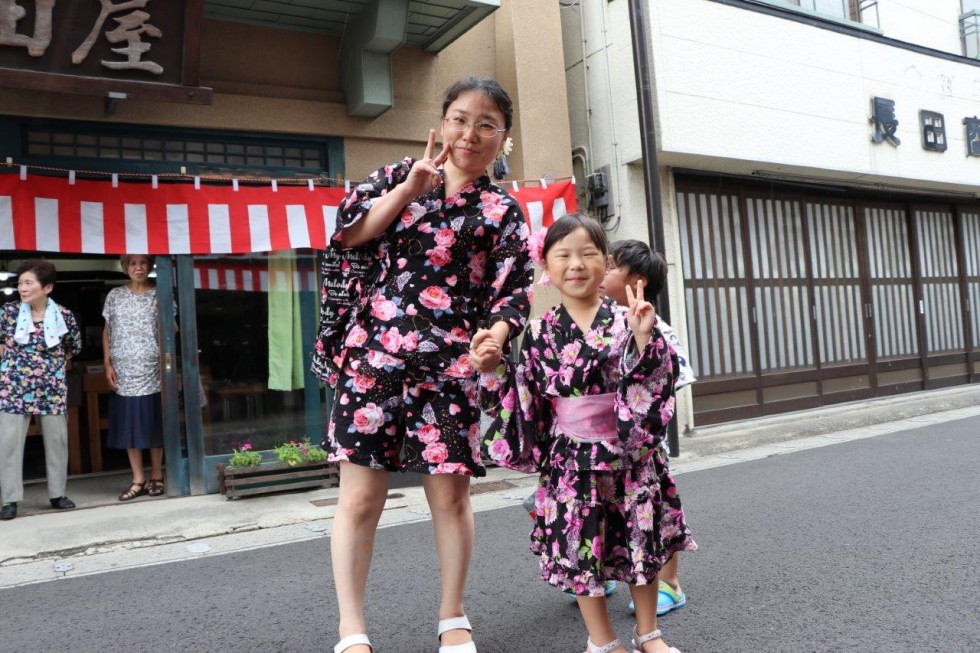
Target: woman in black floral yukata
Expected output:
[449,272]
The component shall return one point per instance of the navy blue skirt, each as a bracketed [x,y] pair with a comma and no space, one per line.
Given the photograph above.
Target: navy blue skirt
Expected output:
[135,422]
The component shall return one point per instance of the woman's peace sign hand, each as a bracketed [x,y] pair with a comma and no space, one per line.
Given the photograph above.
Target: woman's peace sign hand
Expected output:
[641,316]
[424,175]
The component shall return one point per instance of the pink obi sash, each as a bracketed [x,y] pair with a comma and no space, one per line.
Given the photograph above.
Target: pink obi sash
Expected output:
[591,418]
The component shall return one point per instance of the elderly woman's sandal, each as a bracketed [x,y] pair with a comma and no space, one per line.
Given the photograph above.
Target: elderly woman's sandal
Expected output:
[135,490]
[352,640]
[155,487]
[639,640]
[455,623]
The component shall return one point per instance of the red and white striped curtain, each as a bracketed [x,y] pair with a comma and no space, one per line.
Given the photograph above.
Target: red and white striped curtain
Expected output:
[57,214]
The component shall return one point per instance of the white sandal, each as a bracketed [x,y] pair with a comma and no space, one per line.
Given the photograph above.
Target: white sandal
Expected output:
[456,623]
[352,640]
[608,648]
[639,640]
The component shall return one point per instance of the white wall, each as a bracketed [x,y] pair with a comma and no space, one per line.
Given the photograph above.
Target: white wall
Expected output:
[931,23]
[738,90]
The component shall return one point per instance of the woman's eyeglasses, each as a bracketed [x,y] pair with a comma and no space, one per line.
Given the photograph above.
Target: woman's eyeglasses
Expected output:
[485,129]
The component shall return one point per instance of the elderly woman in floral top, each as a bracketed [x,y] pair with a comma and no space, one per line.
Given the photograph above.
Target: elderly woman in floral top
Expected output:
[449,273]
[37,339]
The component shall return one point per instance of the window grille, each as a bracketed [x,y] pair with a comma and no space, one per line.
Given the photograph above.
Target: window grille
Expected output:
[970,32]
[204,151]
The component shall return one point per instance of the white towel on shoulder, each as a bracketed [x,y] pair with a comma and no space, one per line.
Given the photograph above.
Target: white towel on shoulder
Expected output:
[54,325]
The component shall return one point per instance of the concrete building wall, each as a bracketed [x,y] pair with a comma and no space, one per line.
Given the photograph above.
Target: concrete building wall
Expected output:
[278,81]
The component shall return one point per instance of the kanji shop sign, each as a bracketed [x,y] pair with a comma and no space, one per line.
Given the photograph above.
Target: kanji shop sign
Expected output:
[932,127]
[48,44]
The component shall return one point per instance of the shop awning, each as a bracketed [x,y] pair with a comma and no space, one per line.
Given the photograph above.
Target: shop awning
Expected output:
[58,214]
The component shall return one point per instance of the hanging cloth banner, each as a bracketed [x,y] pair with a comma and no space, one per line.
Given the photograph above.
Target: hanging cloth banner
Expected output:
[542,206]
[55,214]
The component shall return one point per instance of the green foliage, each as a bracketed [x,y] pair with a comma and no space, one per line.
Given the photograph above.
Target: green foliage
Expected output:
[292,453]
[245,457]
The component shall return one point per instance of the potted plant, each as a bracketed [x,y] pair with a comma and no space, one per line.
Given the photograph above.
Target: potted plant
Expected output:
[301,465]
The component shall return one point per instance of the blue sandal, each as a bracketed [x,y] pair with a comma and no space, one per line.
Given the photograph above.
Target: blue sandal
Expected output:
[667,599]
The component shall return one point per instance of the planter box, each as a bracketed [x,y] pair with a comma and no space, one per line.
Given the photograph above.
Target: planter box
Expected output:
[267,478]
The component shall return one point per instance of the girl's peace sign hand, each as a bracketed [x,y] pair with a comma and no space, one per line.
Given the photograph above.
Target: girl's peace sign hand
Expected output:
[641,316]
[424,175]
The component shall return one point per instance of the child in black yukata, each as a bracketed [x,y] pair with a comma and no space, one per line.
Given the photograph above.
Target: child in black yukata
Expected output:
[630,261]
[587,407]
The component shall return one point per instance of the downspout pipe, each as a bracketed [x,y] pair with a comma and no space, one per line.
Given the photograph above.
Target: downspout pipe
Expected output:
[651,170]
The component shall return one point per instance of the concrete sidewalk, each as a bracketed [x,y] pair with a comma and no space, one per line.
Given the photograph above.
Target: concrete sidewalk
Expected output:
[47,537]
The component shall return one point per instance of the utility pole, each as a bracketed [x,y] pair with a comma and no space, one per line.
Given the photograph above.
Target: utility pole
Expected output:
[651,170]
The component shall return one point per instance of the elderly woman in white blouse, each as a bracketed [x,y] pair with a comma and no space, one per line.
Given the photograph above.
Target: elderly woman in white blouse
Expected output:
[130,342]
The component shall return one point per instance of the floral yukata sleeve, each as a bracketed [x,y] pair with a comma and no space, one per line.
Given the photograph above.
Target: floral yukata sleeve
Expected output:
[558,360]
[510,264]
[346,272]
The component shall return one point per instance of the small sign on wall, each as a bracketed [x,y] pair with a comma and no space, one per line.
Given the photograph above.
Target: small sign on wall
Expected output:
[972,136]
[884,121]
[933,131]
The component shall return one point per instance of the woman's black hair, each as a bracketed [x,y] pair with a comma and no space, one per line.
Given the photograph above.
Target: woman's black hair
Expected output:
[488,87]
[569,223]
[637,257]
[45,271]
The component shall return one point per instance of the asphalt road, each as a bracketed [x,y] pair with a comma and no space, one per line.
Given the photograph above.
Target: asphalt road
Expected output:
[871,545]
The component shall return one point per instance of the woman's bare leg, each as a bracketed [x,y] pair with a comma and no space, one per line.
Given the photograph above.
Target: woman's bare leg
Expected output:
[362,498]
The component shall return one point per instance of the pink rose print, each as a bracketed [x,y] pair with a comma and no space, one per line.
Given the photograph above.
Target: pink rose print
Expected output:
[453,468]
[445,237]
[439,256]
[381,359]
[428,434]
[410,341]
[363,382]
[391,340]
[356,337]
[435,452]
[384,310]
[368,419]
[460,368]
[412,213]
[478,268]
[435,298]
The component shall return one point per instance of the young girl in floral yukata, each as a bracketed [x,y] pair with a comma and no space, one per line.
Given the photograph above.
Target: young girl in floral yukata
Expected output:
[587,407]
[450,272]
